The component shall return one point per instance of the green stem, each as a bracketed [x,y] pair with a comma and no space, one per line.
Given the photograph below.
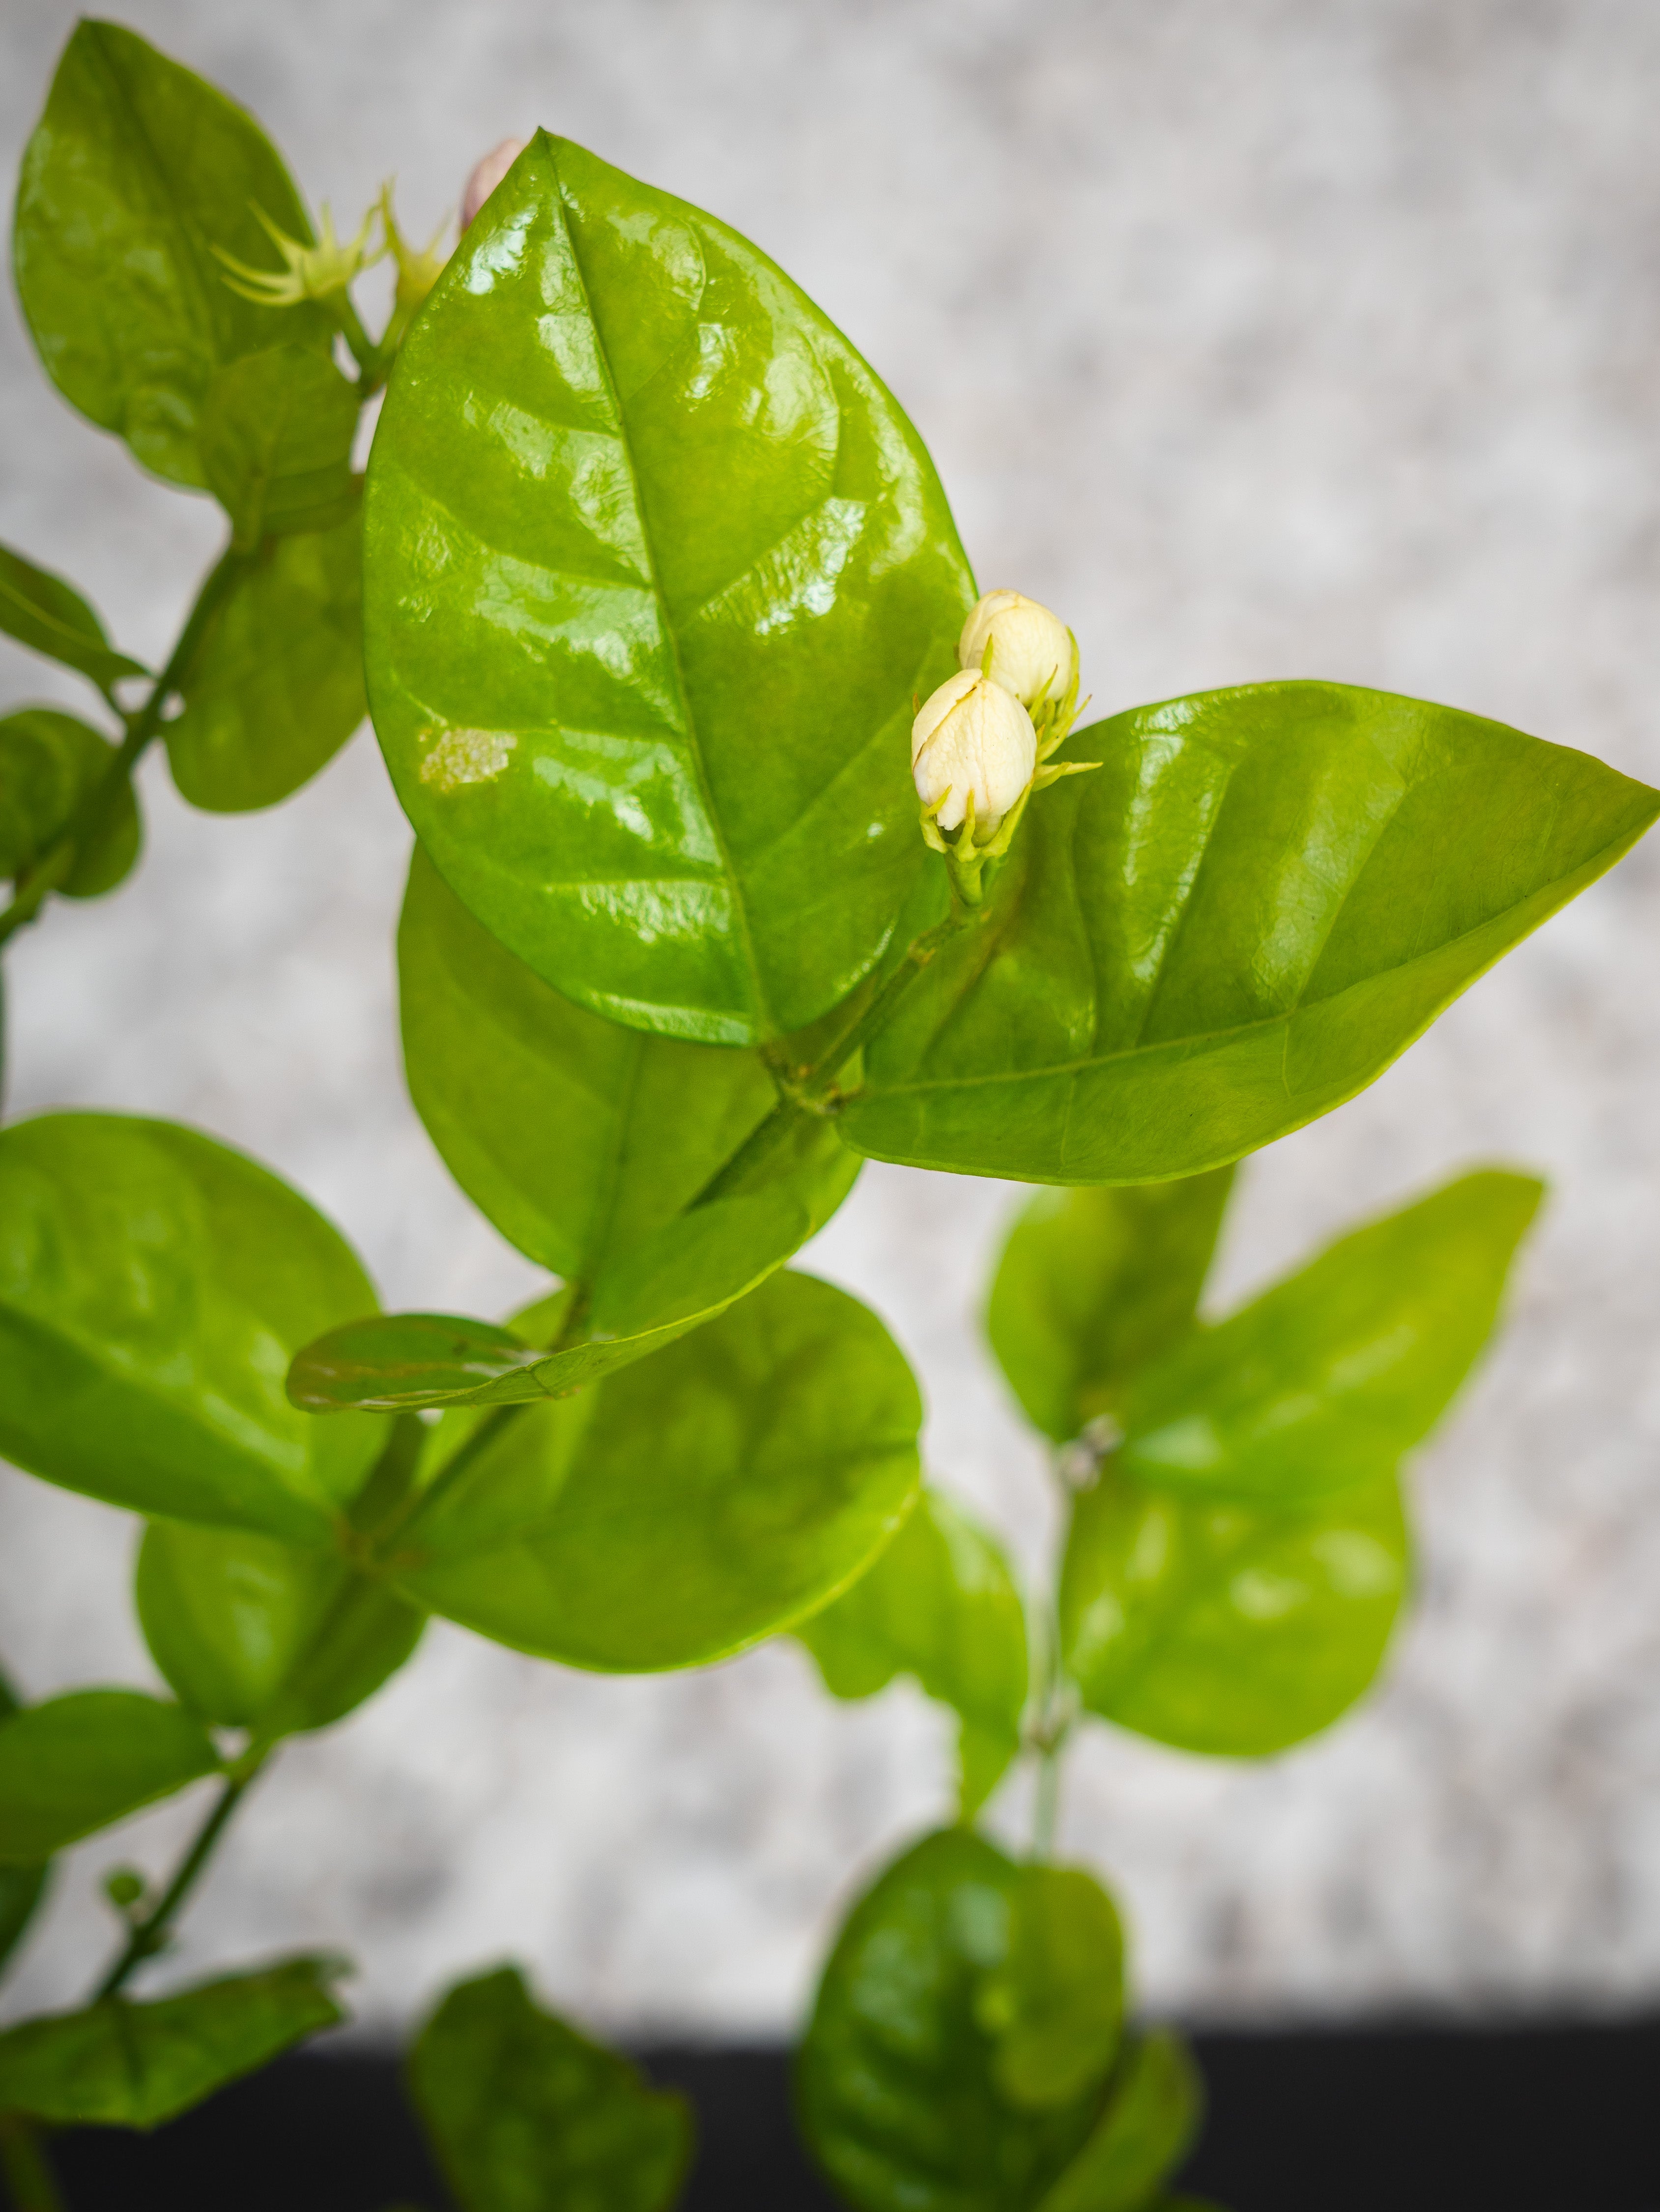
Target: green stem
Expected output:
[814,1092]
[1046,1803]
[151,1933]
[89,816]
[23,2161]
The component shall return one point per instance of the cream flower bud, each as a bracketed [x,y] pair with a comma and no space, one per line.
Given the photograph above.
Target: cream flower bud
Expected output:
[486,175]
[972,736]
[1032,653]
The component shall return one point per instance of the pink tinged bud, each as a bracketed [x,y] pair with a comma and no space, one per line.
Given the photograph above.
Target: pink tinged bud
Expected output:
[971,735]
[488,175]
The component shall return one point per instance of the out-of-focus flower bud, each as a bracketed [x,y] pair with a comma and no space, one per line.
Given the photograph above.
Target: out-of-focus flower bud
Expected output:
[973,751]
[486,175]
[1033,654]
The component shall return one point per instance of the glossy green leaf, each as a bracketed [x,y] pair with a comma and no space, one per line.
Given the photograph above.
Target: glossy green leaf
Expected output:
[1257,904]
[1229,1626]
[679,1279]
[497,1059]
[78,1762]
[1055,2006]
[526,2114]
[940,1604]
[1091,1284]
[21,1888]
[275,441]
[136,172]
[42,611]
[121,2065]
[1152,2116]
[154,1287]
[1323,1381]
[898,2086]
[50,766]
[654,566]
[252,1633]
[686,1508]
[278,687]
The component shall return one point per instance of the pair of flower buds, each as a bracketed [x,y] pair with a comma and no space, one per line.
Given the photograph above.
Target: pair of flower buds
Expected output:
[975,747]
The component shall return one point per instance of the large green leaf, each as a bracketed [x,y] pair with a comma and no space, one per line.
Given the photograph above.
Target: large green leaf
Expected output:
[686,1508]
[50,766]
[278,687]
[252,1633]
[578,1137]
[1320,1383]
[78,1762]
[42,611]
[941,1604]
[916,2075]
[1094,1283]
[275,441]
[1257,902]
[120,2064]
[137,171]
[154,1287]
[1229,1626]
[654,566]
[526,2114]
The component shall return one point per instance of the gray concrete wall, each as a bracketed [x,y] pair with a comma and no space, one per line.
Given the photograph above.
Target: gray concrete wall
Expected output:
[1262,338]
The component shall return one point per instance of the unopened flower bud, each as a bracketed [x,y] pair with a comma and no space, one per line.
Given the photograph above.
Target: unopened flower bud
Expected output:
[1032,650]
[486,175]
[971,737]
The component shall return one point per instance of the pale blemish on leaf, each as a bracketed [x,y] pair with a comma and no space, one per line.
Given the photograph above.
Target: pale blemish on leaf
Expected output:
[461,756]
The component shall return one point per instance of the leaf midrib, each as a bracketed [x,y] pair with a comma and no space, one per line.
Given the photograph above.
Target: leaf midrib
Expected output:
[759,1008]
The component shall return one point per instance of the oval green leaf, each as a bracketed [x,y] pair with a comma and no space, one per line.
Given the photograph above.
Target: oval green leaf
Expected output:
[941,1604]
[275,441]
[1093,1283]
[1257,904]
[154,1287]
[277,686]
[76,1763]
[136,173]
[653,567]
[1320,1383]
[899,2085]
[42,611]
[1055,2005]
[526,2113]
[251,1633]
[497,1062]
[1231,1628]
[50,766]
[686,1508]
[120,2064]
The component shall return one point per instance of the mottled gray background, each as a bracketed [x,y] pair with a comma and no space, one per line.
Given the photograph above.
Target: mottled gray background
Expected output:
[1262,338]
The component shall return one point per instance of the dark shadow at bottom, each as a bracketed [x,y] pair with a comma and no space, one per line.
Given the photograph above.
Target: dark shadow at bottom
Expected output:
[1535,2119]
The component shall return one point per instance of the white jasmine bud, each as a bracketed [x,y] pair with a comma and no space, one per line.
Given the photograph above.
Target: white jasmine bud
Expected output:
[972,740]
[486,175]
[1033,654]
